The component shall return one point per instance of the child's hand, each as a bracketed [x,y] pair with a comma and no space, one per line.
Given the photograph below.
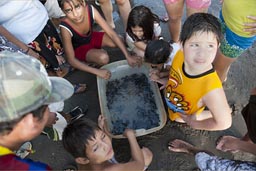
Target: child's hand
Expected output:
[103,73]
[187,118]
[134,61]
[129,133]
[163,82]
[148,156]
[154,74]
[101,121]
[250,26]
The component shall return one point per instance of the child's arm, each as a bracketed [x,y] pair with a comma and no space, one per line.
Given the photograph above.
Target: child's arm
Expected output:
[11,38]
[155,75]
[137,162]
[218,106]
[140,45]
[70,54]
[132,60]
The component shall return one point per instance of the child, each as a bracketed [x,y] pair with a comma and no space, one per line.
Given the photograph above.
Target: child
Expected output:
[142,27]
[25,93]
[207,161]
[238,19]
[193,83]
[92,147]
[248,142]
[81,43]
[175,12]
[159,54]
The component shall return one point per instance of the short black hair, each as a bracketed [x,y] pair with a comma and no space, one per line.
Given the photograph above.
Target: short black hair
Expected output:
[200,22]
[157,52]
[77,134]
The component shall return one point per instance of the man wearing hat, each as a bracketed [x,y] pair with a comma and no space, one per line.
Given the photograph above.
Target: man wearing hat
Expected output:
[25,93]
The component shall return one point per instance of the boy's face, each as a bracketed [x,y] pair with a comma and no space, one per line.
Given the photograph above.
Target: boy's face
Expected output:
[74,11]
[33,126]
[100,149]
[200,51]
[43,122]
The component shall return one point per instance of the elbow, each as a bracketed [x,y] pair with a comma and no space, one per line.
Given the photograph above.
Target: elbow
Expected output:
[225,124]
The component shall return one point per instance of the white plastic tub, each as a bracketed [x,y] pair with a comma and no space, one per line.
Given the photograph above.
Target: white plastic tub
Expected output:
[119,70]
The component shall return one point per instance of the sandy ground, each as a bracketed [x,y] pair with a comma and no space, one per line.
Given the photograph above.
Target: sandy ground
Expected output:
[237,88]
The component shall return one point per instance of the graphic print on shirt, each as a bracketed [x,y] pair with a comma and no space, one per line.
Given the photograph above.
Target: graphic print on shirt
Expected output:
[174,100]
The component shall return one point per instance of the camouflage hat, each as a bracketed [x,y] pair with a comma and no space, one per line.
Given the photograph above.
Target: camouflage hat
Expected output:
[25,86]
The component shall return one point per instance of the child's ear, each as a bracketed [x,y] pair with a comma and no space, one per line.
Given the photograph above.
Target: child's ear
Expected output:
[82,160]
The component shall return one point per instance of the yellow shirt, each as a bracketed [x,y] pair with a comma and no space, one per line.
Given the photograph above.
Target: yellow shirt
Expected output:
[184,91]
[235,14]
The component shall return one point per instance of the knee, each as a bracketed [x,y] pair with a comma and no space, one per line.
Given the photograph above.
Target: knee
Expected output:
[103,59]
[175,18]
[120,2]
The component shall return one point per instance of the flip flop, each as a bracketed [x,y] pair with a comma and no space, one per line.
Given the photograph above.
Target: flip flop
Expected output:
[164,18]
[24,150]
[79,88]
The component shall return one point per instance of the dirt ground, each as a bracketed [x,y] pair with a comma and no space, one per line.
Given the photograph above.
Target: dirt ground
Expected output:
[240,82]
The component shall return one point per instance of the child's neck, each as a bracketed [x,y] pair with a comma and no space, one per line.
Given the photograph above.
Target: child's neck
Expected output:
[195,71]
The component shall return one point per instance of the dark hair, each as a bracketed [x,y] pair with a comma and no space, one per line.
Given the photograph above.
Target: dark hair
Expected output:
[7,127]
[143,17]
[157,51]
[61,4]
[200,22]
[77,134]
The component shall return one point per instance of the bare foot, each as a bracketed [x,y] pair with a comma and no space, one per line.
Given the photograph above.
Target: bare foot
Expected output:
[227,143]
[180,146]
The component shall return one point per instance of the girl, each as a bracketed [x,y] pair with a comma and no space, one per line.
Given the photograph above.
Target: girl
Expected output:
[142,26]
[81,43]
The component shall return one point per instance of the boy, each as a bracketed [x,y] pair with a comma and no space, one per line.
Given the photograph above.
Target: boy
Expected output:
[92,147]
[159,54]
[25,93]
[193,83]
